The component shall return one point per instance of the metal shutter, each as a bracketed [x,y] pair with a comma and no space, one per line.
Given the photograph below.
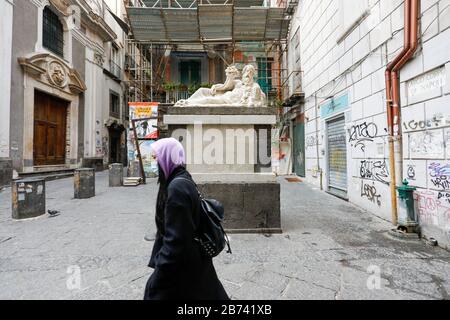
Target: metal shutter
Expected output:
[337,157]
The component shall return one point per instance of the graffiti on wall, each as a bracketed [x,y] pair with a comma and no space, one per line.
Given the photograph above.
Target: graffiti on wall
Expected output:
[444,196]
[439,175]
[427,206]
[374,170]
[311,141]
[361,134]
[414,125]
[433,208]
[370,192]
[428,144]
[411,172]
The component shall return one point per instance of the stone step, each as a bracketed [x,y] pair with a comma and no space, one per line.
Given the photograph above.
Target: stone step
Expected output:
[132,181]
[48,175]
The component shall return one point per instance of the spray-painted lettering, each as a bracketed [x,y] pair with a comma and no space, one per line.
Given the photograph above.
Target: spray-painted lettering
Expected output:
[420,125]
[444,196]
[375,170]
[440,175]
[362,133]
[370,192]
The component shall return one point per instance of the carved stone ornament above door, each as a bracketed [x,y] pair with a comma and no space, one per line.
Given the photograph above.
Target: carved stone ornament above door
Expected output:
[61,5]
[52,71]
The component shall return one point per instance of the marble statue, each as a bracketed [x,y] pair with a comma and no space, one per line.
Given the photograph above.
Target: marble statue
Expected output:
[237,92]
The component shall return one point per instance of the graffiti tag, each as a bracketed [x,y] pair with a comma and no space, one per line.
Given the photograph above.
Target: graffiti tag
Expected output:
[445,196]
[420,125]
[427,208]
[311,141]
[362,133]
[440,175]
[370,192]
[411,172]
[438,170]
[427,144]
[374,170]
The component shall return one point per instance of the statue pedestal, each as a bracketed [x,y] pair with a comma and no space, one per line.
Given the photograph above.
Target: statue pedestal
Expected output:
[228,153]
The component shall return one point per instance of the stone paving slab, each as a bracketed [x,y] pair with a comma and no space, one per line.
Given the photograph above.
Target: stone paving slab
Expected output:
[328,250]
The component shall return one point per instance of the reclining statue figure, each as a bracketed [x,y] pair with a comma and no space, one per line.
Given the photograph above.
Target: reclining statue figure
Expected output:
[234,92]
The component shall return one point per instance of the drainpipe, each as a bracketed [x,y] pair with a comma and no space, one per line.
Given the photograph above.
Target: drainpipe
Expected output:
[395,74]
[317,141]
[393,92]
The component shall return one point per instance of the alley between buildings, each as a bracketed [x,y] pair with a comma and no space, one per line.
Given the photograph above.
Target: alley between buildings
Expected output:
[329,249]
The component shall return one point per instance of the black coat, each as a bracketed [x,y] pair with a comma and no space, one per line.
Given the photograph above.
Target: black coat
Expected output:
[181,271]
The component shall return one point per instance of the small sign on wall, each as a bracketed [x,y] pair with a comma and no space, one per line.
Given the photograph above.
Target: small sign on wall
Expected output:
[334,106]
[426,85]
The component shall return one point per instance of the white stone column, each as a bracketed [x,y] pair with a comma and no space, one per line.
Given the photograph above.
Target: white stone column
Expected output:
[6,7]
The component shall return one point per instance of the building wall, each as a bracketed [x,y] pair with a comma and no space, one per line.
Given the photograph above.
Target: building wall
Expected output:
[94,104]
[425,88]
[176,58]
[79,63]
[111,84]
[341,62]
[25,30]
[6,24]
[83,53]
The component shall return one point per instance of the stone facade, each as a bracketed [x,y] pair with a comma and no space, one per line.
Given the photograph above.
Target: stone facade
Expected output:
[6,24]
[79,76]
[343,48]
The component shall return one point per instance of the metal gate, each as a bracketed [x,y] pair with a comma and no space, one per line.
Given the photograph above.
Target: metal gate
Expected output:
[337,157]
[299,149]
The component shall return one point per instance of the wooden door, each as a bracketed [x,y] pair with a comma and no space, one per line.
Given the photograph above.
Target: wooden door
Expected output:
[49,145]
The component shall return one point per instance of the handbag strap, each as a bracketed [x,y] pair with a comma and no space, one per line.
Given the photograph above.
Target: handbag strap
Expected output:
[191,181]
[227,241]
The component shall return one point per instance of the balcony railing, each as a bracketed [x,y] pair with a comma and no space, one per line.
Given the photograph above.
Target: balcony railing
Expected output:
[115,69]
[174,96]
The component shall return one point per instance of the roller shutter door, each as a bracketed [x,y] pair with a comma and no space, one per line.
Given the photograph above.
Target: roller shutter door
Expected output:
[337,157]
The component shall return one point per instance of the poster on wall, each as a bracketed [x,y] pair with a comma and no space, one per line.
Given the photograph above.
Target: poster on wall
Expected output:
[144,115]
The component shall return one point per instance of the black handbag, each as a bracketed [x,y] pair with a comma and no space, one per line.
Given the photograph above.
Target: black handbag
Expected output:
[211,236]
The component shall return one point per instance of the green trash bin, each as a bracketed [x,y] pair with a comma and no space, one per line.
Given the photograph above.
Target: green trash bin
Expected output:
[407,214]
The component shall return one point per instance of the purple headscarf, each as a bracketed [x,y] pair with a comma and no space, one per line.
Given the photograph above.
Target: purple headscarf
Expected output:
[170,154]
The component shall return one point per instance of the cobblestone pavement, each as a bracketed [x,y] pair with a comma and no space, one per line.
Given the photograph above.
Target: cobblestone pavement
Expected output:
[329,250]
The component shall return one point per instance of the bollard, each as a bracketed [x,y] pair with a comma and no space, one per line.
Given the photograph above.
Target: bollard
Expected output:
[28,198]
[84,183]
[116,175]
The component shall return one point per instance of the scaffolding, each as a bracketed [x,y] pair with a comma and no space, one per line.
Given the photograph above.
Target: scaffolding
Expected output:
[234,32]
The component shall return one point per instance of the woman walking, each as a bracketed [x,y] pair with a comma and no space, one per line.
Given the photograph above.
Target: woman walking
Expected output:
[181,272]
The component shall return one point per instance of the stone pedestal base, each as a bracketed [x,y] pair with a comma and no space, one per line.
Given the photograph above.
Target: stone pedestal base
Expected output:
[6,171]
[249,207]
[228,153]
[28,198]
[116,175]
[84,183]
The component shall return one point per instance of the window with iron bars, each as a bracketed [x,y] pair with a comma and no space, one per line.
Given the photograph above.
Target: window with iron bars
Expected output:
[114,104]
[53,32]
